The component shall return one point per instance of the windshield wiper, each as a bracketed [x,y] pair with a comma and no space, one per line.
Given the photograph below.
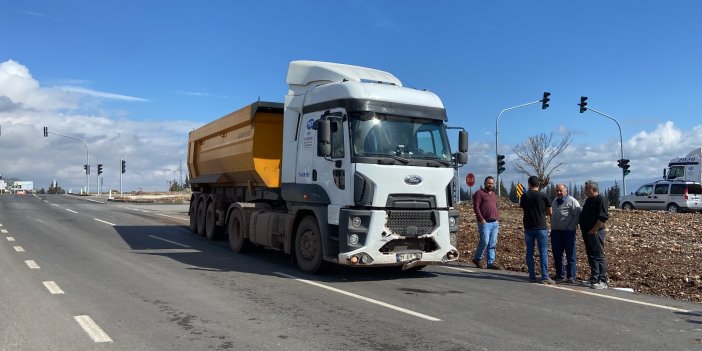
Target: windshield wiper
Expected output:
[429,158]
[394,157]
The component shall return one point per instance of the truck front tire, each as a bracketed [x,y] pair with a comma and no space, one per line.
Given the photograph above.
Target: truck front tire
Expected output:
[308,246]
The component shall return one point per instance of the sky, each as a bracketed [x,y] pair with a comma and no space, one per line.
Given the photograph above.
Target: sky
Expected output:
[132,78]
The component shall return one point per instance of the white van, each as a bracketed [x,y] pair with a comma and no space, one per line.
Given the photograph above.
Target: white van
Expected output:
[671,195]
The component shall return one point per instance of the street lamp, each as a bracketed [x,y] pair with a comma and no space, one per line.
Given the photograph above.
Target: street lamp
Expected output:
[545,100]
[623,163]
[87,156]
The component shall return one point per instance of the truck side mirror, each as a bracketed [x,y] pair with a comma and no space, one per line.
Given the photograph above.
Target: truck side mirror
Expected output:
[323,138]
[462,155]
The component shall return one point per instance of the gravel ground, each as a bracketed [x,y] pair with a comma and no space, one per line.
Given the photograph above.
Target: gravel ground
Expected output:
[652,252]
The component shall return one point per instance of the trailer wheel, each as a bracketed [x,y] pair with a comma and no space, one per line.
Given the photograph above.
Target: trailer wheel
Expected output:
[193,216]
[308,246]
[211,230]
[237,240]
[200,221]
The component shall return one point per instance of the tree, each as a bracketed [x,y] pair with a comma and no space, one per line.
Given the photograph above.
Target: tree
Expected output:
[513,193]
[613,195]
[537,154]
[503,190]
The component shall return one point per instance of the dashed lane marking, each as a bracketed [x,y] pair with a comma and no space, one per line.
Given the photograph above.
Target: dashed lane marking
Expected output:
[100,220]
[69,210]
[19,248]
[53,287]
[31,264]
[99,202]
[10,238]
[593,294]
[168,241]
[4,231]
[94,331]
[181,218]
[55,205]
[363,298]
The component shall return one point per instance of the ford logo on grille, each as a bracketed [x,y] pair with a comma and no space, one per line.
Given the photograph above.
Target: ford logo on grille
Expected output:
[413,179]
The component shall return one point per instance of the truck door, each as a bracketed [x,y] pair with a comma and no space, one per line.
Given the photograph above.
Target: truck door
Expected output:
[332,173]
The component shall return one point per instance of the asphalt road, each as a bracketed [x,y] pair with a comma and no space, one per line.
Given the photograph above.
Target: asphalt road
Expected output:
[81,275]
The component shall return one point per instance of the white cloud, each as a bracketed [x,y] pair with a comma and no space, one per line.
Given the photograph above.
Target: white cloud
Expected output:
[100,94]
[153,149]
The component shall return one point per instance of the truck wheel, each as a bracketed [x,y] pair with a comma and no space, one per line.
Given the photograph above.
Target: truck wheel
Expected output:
[627,206]
[193,216]
[308,246]
[673,208]
[200,221]
[237,240]
[211,230]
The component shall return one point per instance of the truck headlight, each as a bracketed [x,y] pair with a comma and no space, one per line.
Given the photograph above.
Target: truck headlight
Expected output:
[356,222]
[452,221]
[353,239]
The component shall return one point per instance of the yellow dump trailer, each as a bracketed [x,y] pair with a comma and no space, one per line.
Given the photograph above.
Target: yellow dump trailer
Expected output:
[243,148]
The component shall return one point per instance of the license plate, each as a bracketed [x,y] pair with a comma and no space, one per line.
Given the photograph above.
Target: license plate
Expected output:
[409,256]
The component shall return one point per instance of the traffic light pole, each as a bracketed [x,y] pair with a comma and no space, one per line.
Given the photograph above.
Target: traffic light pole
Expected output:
[497,138]
[87,157]
[621,144]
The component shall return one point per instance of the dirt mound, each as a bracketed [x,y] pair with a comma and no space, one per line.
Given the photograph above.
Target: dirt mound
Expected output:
[652,252]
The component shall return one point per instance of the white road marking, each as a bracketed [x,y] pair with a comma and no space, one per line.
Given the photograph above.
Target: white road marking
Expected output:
[69,210]
[100,220]
[53,287]
[10,238]
[46,201]
[4,231]
[168,241]
[93,330]
[0,224]
[594,294]
[166,251]
[95,201]
[31,264]
[181,218]
[363,298]
[54,205]
[19,248]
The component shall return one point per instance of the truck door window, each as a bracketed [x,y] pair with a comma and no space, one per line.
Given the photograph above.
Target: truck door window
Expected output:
[661,189]
[337,138]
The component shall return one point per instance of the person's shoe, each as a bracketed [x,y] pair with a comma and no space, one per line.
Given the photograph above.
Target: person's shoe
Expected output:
[494,266]
[547,281]
[570,281]
[533,280]
[477,263]
[599,286]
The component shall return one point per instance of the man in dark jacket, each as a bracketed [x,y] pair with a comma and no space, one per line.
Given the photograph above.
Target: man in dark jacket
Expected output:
[592,225]
[536,207]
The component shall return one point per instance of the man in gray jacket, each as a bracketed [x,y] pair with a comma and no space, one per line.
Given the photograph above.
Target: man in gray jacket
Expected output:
[564,222]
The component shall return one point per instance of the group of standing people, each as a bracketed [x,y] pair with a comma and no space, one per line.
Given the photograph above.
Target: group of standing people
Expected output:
[565,215]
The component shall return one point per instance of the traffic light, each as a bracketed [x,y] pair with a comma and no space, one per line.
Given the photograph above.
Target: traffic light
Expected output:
[99,168]
[124,166]
[85,167]
[624,164]
[500,164]
[46,132]
[545,100]
[583,104]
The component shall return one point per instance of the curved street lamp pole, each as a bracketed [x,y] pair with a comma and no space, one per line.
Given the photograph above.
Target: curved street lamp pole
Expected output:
[621,144]
[497,134]
[87,157]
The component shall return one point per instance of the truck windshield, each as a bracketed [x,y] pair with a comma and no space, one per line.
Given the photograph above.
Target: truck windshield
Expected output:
[378,137]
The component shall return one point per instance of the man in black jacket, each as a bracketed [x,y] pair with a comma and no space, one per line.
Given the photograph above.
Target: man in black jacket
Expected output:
[592,224]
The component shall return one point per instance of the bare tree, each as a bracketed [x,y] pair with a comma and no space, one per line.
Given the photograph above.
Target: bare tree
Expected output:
[537,154]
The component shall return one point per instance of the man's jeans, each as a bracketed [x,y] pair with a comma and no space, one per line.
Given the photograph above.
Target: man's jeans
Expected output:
[488,238]
[541,237]
[563,240]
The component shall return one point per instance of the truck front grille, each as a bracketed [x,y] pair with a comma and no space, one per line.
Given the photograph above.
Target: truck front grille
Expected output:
[411,223]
